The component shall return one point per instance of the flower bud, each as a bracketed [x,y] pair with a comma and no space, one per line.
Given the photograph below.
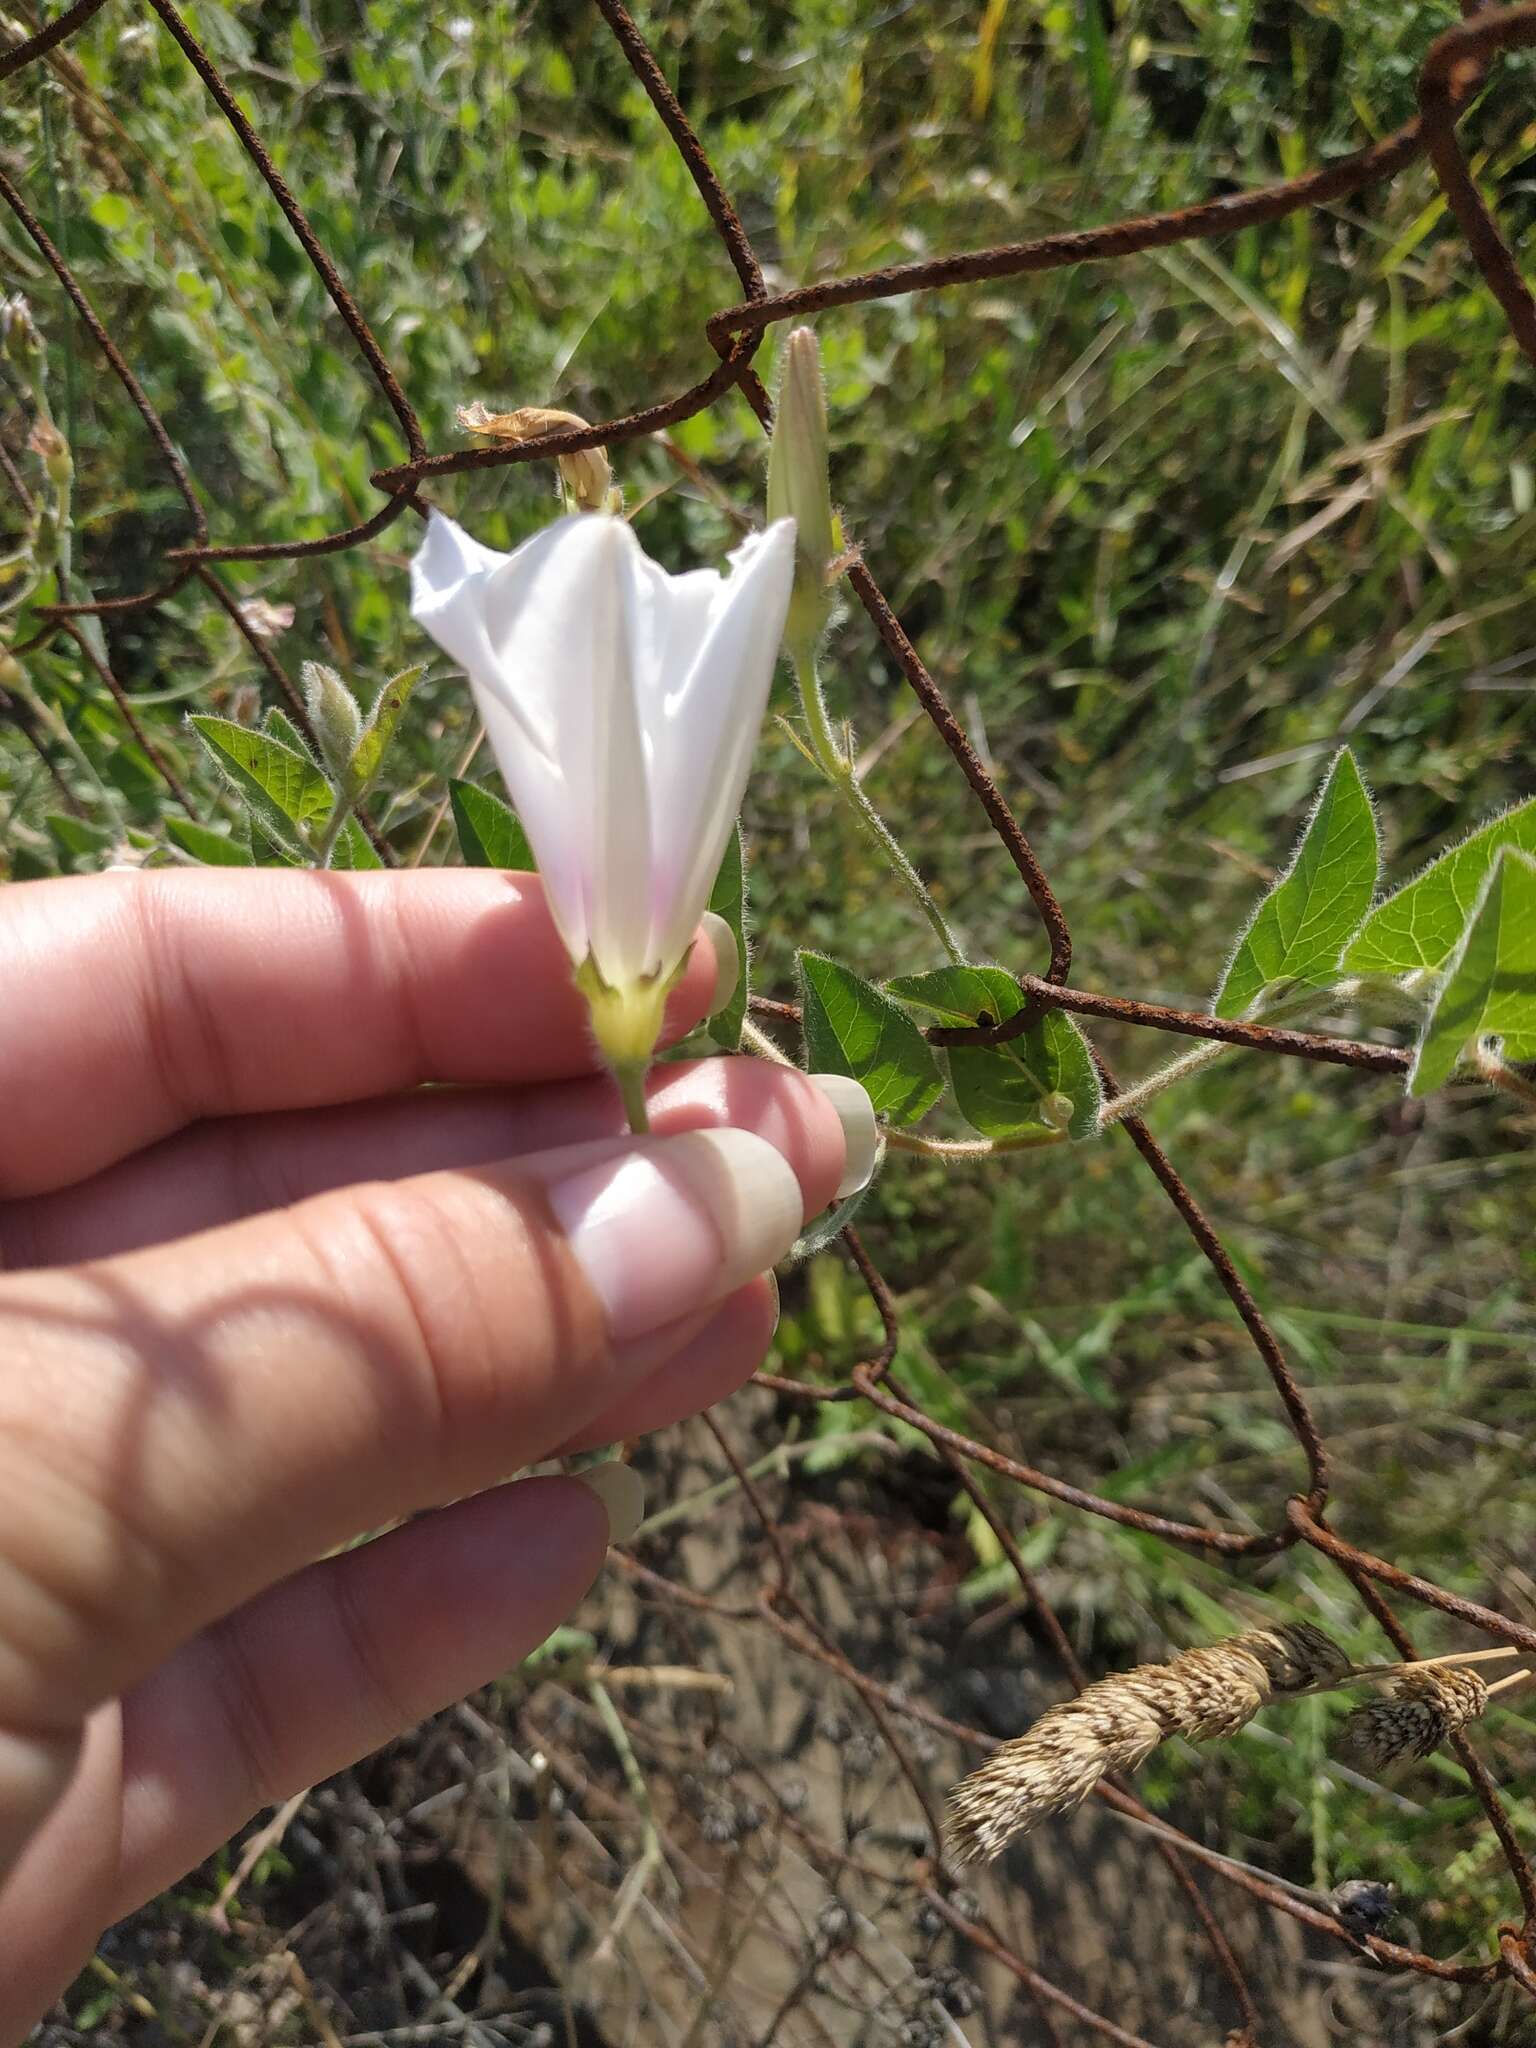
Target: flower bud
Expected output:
[333,713]
[1423,1709]
[12,675]
[585,472]
[19,338]
[1057,1110]
[798,489]
[46,440]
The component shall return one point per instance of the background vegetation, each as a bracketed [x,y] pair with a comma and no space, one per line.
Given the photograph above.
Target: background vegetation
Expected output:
[1168,531]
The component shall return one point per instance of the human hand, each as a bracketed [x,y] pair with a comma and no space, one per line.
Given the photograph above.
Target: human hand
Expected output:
[265,1292]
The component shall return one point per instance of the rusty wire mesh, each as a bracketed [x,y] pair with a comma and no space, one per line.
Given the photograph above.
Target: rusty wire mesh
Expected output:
[1453,71]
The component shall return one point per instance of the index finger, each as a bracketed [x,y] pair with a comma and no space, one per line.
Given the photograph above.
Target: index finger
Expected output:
[140,1003]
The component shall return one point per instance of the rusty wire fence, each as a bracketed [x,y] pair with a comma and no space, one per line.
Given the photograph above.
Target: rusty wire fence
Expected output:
[1452,74]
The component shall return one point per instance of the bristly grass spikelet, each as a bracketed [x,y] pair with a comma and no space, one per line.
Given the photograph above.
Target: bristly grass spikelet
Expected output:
[1422,1709]
[1115,1725]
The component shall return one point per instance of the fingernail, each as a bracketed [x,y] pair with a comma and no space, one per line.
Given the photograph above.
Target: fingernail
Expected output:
[773,1288]
[622,1492]
[671,1224]
[722,942]
[861,1136]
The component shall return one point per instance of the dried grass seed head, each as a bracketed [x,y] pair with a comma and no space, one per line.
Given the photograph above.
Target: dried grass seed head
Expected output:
[1422,1709]
[1052,1769]
[1205,1694]
[1116,1723]
[1296,1655]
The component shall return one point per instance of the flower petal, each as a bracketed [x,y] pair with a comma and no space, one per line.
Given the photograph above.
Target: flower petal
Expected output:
[588,600]
[448,577]
[538,793]
[468,597]
[705,731]
[623,707]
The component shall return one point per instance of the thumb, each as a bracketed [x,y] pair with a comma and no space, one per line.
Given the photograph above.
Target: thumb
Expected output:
[182,1427]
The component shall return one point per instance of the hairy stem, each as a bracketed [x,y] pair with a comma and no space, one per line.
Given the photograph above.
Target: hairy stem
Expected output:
[1131,1101]
[630,1076]
[970,1148]
[757,1040]
[325,846]
[838,769]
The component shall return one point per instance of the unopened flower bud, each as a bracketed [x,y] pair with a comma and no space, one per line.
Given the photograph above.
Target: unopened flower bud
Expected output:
[799,489]
[19,338]
[1057,1110]
[46,441]
[12,675]
[585,472]
[333,713]
[1363,1904]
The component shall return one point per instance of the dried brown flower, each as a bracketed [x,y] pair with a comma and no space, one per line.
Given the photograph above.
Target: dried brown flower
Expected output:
[1117,1723]
[587,475]
[1422,1709]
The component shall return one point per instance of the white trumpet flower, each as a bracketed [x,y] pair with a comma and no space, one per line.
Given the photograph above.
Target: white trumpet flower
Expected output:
[623,706]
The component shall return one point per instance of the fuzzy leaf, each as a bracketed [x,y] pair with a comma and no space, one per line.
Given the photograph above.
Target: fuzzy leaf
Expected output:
[213,849]
[1303,924]
[383,722]
[78,841]
[852,1027]
[999,1088]
[489,834]
[277,725]
[821,1230]
[284,791]
[1419,926]
[1489,990]
[353,848]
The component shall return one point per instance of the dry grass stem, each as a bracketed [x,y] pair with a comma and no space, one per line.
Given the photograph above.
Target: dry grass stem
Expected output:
[1432,1663]
[1115,1725]
[1422,1709]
